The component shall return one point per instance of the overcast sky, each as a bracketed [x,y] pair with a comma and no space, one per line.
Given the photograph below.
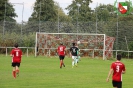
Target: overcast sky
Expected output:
[24,14]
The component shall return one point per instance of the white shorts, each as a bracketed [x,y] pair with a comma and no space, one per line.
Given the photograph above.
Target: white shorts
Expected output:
[74,57]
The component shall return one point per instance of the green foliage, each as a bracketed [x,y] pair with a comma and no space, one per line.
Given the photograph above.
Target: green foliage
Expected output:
[7,11]
[29,40]
[10,39]
[131,46]
[61,16]
[80,10]
[44,11]
[105,12]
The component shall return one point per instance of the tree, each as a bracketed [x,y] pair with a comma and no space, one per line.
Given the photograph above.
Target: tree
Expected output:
[62,17]
[105,12]
[79,10]
[47,15]
[7,11]
[44,11]
[7,15]
[48,10]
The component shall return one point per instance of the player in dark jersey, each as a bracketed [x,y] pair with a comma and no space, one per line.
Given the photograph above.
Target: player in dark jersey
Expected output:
[61,52]
[16,55]
[74,54]
[116,70]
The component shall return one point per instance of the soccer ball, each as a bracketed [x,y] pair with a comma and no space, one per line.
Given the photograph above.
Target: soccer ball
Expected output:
[78,42]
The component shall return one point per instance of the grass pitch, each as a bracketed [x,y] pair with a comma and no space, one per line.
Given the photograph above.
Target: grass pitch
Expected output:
[44,72]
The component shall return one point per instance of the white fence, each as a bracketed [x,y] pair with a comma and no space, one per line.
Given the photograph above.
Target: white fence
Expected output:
[8,49]
[27,49]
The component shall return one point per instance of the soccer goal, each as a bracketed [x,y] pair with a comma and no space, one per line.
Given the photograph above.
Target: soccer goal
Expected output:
[90,45]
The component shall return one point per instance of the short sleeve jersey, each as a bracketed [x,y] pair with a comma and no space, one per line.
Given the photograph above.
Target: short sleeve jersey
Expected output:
[74,51]
[61,50]
[16,53]
[117,67]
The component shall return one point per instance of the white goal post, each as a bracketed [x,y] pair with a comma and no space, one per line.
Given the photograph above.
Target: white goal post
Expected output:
[92,45]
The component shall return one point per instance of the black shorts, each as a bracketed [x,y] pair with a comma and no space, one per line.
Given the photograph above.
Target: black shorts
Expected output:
[61,57]
[15,64]
[117,84]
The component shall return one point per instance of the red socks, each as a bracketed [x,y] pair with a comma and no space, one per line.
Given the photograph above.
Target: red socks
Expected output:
[14,74]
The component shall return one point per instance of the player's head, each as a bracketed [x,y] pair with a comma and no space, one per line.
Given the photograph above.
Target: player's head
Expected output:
[61,43]
[73,44]
[16,45]
[119,57]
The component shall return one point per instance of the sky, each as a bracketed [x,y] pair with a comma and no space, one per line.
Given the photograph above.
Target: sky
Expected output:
[24,8]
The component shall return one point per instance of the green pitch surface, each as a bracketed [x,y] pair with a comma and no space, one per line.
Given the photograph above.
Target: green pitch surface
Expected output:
[44,72]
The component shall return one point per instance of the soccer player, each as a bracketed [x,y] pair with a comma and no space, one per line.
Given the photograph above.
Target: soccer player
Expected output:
[117,69]
[74,54]
[61,52]
[16,55]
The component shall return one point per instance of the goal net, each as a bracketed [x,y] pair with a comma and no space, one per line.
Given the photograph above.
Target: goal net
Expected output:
[90,45]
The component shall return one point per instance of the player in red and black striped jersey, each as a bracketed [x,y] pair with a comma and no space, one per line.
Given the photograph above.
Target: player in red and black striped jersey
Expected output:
[16,55]
[117,69]
[61,52]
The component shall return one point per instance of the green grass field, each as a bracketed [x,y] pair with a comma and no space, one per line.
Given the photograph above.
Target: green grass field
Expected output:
[44,72]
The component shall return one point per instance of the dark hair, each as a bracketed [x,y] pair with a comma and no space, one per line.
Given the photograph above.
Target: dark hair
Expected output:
[118,57]
[16,45]
[73,44]
[61,43]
